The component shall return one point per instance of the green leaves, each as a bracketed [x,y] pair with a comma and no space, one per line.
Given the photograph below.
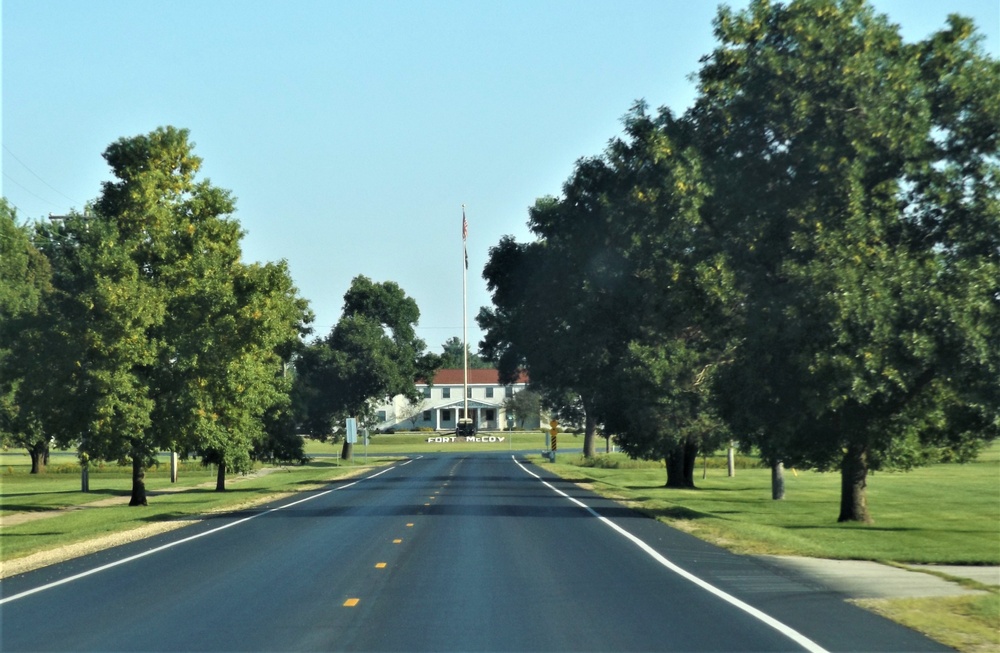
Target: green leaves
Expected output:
[372,353]
[811,252]
[157,336]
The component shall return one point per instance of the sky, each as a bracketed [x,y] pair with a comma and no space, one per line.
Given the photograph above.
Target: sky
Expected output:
[353,132]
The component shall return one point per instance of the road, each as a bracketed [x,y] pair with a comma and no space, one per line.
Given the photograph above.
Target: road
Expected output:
[450,552]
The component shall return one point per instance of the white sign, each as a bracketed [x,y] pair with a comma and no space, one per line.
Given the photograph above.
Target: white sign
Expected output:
[352,430]
[468,438]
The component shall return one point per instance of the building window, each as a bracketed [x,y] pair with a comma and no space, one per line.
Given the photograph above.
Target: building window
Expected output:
[446,415]
[468,393]
[427,392]
[381,415]
[489,393]
[490,415]
[446,393]
[427,415]
[508,391]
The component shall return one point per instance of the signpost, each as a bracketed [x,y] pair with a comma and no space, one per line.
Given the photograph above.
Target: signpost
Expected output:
[351,435]
[554,431]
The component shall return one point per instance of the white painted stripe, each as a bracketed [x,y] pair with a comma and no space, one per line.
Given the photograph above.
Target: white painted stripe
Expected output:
[110,565]
[787,631]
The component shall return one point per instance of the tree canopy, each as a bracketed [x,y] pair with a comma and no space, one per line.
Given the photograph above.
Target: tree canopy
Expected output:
[808,258]
[372,353]
[157,337]
[25,278]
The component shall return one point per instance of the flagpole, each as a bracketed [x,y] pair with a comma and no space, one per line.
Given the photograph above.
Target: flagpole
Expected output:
[465,314]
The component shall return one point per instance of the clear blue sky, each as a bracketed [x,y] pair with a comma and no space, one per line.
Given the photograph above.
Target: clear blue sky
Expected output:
[352,132]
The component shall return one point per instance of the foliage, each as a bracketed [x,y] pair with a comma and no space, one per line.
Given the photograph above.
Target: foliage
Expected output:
[157,336]
[372,353]
[841,173]
[25,277]
[809,257]
[452,356]
[524,405]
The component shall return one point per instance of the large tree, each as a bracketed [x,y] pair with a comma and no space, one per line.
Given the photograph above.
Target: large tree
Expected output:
[854,195]
[157,336]
[25,277]
[618,283]
[371,354]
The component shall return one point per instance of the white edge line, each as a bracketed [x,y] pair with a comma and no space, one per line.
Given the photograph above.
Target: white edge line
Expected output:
[96,570]
[787,631]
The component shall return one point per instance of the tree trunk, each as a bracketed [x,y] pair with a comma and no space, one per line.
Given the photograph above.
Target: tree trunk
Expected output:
[680,466]
[39,452]
[853,481]
[347,451]
[690,461]
[778,481]
[138,483]
[589,433]
[220,477]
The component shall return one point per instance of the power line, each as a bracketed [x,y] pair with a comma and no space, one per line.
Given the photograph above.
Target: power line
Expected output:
[30,192]
[53,188]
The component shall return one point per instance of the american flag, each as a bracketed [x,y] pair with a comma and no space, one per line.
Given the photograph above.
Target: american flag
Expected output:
[465,236]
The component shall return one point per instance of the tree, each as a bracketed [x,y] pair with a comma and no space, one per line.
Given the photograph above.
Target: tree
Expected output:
[523,405]
[237,386]
[371,353]
[25,277]
[620,271]
[540,322]
[854,185]
[452,356]
[156,336]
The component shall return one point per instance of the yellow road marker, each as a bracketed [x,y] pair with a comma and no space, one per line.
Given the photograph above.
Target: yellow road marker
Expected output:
[397,541]
[409,525]
[380,565]
[350,603]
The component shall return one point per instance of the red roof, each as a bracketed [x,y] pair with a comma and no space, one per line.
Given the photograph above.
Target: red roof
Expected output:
[476,377]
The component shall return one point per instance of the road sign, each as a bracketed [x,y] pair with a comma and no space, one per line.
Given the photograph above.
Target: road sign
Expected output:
[352,430]
[554,432]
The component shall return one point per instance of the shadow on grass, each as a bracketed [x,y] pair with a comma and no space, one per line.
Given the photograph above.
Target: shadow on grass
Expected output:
[108,492]
[675,512]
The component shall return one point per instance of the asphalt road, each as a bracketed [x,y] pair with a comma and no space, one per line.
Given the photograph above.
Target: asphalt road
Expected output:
[452,552]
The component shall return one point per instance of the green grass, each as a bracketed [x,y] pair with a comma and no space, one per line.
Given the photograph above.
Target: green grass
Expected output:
[966,623]
[939,514]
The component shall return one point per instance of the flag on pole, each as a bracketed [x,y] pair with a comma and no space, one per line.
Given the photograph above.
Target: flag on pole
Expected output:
[465,236]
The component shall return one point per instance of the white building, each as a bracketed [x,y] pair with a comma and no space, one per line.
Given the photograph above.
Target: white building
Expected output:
[442,404]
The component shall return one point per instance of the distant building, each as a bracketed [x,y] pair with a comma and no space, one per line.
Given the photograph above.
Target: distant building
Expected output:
[442,405]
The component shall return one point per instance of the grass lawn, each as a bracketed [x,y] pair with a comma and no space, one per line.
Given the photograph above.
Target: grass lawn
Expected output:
[946,514]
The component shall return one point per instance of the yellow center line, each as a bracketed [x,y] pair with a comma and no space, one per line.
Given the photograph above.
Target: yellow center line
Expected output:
[380,565]
[397,541]
[350,603]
